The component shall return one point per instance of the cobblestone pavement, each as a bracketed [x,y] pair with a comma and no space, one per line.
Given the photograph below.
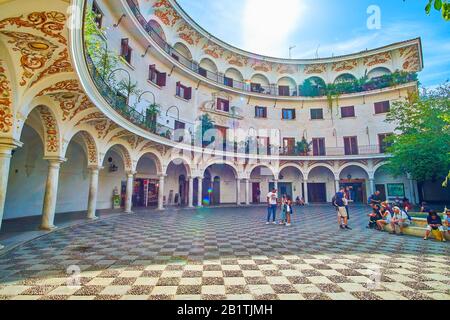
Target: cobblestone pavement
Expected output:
[226,253]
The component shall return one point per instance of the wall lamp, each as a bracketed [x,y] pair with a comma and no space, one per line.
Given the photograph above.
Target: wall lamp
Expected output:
[120,20]
[146,50]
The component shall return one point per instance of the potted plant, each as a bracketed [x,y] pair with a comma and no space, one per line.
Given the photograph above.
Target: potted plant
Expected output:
[302,148]
[151,116]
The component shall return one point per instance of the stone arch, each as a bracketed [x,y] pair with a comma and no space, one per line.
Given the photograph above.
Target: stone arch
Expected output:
[323,165]
[51,129]
[208,65]
[378,72]
[261,79]
[234,74]
[287,80]
[267,166]
[293,165]
[124,153]
[378,166]
[220,162]
[344,77]
[183,49]
[157,28]
[153,156]
[353,164]
[177,160]
[90,145]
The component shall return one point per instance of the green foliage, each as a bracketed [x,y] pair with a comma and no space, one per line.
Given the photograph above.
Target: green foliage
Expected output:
[422,148]
[151,116]
[206,124]
[302,147]
[97,47]
[440,5]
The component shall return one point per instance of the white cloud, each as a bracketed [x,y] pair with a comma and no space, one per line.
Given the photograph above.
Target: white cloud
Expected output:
[267,25]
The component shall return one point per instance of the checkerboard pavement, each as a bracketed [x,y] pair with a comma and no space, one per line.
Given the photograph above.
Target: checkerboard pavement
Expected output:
[225,253]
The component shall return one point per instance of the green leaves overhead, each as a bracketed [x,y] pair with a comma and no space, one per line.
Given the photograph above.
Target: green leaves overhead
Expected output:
[439,5]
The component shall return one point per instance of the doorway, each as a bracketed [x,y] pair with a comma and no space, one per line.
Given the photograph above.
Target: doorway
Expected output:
[356,190]
[382,189]
[317,192]
[256,192]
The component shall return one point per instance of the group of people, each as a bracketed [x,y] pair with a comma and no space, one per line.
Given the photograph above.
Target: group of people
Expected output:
[398,218]
[286,209]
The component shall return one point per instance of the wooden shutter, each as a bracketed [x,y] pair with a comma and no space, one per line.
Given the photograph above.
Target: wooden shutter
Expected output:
[124,47]
[161,79]
[178,89]
[188,93]
[151,70]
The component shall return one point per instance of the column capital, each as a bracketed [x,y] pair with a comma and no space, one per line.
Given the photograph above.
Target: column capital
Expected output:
[162,176]
[96,168]
[131,173]
[8,144]
[55,159]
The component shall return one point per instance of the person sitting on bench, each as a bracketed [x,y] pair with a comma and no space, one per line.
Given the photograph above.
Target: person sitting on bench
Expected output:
[434,223]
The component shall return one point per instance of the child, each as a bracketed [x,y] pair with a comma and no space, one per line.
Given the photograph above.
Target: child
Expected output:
[287,209]
[283,212]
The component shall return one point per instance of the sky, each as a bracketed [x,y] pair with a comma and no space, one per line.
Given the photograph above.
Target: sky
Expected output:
[322,28]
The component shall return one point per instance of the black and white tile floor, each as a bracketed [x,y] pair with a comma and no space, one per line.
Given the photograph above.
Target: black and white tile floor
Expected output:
[226,253]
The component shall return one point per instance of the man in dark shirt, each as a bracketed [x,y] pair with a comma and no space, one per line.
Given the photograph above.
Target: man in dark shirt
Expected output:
[340,202]
[434,223]
[375,199]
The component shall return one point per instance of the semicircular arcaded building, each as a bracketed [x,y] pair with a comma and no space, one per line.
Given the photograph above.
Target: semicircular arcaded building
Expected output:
[129,103]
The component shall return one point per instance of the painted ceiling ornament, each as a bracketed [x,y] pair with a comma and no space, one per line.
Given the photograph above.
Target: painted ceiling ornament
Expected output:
[286,69]
[377,59]
[50,23]
[72,104]
[62,64]
[62,86]
[111,126]
[5,101]
[35,51]
[345,65]
[188,34]
[91,148]
[315,68]
[262,66]
[412,58]
[51,130]
[213,50]
[166,13]
[95,116]
[119,135]
[236,59]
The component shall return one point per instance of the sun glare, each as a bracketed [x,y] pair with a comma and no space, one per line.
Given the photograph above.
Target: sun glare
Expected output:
[267,25]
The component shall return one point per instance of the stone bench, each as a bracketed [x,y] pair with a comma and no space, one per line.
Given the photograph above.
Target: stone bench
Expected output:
[417,228]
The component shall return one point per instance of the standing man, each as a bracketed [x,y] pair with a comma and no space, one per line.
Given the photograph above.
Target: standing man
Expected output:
[272,201]
[340,203]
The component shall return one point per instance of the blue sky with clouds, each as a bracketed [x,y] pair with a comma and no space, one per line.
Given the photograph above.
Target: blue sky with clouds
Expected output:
[333,27]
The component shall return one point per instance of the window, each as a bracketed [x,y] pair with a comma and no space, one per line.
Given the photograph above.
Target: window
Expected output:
[255,87]
[316,114]
[383,143]
[289,145]
[183,91]
[382,107]
[288,114]
[318,147]
[348,112]
[156,77]
[202,72]
[396,190]
[351,146]
[179,130]
[283,91]
[223,105]
[125,50]
[263,145]
[228,81]
[98,15]
[260,112]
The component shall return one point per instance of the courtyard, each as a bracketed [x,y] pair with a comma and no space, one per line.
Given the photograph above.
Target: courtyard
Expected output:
[225,253]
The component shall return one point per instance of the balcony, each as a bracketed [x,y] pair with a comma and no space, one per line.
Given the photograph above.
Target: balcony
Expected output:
[335,152]
[352,87]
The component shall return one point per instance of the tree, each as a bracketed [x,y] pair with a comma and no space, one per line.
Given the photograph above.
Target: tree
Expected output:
[439,5]
[422,147]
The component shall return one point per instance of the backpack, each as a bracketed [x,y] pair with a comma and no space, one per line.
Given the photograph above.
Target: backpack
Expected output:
[333,201]
[407,214]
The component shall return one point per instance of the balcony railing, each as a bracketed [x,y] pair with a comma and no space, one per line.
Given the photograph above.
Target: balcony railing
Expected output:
[335,151]
[356,86]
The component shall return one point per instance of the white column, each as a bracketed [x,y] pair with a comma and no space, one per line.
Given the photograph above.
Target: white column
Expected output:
[191,193]
[129,192]
[337,183]
[5,161]
[161,192]
[93,192]
[275,184]
[306,192]
[412,191]
[200,192]
[238,192]
[372,186]
[247,192]
[51,192]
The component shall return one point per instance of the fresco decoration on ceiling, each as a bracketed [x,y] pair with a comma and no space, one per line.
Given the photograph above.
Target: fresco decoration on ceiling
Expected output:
[377,59]
[62,86]
[286,68]
[166,13]
[315,68]
[60,65]
[95,116]
[5,101]
[345,65]
[235,59]
[50,23]
[213,50]
[71,104]
[412,58]
[91,148]
[262,66]
[51,130]
[34,52]
[188,34]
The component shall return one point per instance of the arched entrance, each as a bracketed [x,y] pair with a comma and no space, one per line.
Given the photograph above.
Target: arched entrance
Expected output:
[262,180]
[177,183]
[220,184]
[146,182]
[356,182]
[291,182]
[112,180]
[321,185]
